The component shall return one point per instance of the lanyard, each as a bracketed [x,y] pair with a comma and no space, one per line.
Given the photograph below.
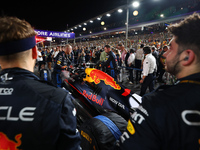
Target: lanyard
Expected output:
[190,81]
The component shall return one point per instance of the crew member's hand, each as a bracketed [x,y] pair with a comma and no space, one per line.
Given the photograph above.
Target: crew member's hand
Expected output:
[141,81]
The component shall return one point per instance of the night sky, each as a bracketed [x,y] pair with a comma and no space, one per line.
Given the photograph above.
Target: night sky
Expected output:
[55,15]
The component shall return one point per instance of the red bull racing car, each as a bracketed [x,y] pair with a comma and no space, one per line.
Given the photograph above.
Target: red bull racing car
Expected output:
[102,104]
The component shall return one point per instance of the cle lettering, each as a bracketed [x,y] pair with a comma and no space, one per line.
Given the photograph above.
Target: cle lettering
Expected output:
[25,114]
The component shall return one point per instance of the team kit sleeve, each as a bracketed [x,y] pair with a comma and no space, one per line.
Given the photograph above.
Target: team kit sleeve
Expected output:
[69,138]
[141,132]
[146,67]
[59,60]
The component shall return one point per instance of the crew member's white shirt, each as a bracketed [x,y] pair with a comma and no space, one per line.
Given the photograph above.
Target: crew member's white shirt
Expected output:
[131,59]
[149,65]
[39,57]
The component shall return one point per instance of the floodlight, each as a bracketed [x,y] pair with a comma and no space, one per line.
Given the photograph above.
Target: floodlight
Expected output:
[136,4]
[102,23]
[120,10]
[108,15]
[135,13]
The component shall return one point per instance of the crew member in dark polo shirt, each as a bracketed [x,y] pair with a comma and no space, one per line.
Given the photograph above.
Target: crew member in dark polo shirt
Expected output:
[33,114]
[169,118]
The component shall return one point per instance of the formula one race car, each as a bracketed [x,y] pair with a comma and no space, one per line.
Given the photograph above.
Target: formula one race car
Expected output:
[101,104]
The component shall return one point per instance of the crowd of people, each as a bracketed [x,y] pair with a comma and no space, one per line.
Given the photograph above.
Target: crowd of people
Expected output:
[126,61]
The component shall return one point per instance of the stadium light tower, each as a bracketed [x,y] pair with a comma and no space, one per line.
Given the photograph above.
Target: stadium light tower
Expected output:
[135,5]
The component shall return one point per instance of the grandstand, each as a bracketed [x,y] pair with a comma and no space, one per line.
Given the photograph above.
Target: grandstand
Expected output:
[153,17]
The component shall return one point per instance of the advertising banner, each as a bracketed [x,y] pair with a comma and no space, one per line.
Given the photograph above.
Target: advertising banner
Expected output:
[55,34]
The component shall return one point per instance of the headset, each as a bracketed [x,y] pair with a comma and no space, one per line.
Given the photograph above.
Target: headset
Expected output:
[185,59]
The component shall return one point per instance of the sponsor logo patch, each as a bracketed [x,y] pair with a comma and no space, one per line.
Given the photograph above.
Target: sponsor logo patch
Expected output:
[7,144]
[130,128]
[6,91]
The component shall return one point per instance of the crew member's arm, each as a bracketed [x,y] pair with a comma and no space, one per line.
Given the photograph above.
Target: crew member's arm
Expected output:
[143,78]
[58,62]
[39,55]
[68,60]
[131,59]
[72,57]
[145,70]
[69,138]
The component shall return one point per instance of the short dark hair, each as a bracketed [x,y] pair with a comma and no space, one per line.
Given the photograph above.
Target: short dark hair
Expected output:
[165,47]
[131,50]
[147,50]
[107,46]
[187,33]
[142,45]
